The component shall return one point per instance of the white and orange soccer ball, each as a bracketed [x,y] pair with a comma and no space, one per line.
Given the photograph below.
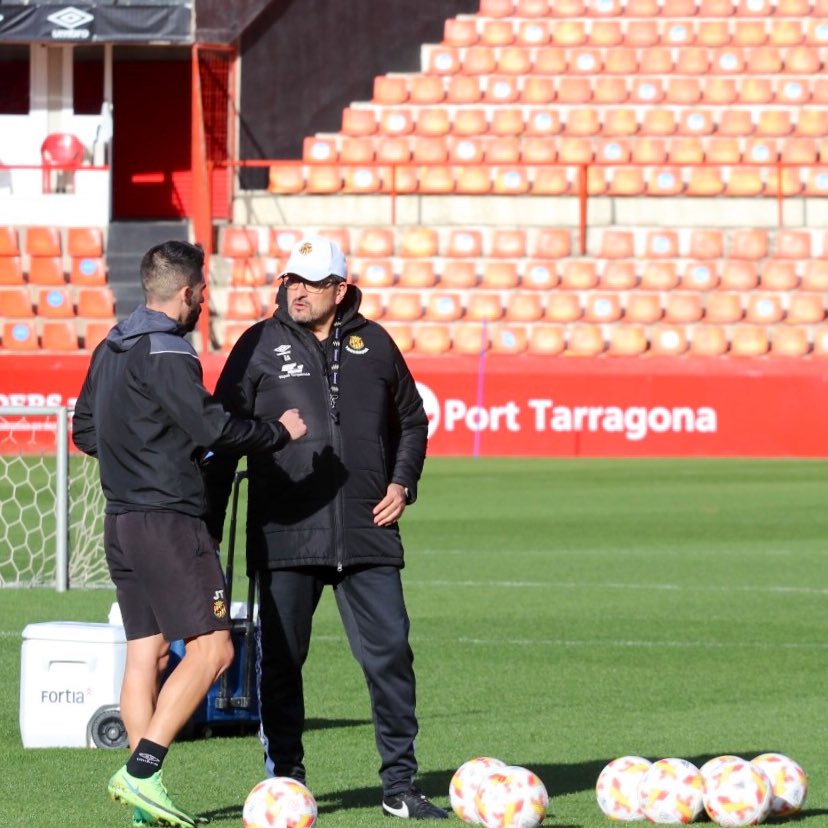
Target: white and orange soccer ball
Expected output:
[737,793]
[511,797]
[279,802]
[464,784]
[788,781]
[711,764]
[617,788]
[671,792]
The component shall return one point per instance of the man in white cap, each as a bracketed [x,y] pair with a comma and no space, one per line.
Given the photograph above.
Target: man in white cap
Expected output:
[327,513]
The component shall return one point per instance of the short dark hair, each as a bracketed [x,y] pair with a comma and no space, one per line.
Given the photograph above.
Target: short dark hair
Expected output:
[168,267]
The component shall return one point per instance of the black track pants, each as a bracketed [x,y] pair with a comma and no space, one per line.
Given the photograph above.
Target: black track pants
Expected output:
[372,608]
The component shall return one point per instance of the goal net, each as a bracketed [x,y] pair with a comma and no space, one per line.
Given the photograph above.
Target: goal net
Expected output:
[51,505]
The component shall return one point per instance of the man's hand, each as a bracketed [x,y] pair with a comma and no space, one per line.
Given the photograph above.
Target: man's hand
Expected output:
[293,422]
[391,507]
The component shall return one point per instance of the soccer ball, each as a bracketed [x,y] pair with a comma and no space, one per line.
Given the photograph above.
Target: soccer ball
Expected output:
[279,802]
[671,791]
[511,797]
[737,793]
[788,781]
[710,765]
[617,788]
[464,784]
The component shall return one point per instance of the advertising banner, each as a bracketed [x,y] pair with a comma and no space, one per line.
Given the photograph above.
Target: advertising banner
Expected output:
[560,407]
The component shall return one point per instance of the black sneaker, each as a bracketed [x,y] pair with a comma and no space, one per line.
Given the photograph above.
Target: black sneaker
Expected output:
[412,804]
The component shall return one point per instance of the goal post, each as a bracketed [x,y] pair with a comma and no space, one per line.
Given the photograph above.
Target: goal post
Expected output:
[51,504]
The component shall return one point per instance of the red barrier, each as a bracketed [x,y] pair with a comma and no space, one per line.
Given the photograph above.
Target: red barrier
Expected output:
[565,407]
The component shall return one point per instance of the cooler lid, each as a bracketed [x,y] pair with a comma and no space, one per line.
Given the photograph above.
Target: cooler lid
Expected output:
[75,631]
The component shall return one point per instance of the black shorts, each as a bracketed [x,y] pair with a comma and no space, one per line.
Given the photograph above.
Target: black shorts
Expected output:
[167,575]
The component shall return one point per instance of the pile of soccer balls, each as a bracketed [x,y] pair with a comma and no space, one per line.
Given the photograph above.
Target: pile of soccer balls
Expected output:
[733,791]
[488,792]
[279,802]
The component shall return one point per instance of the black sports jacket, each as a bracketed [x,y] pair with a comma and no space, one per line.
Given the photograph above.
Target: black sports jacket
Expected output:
[313,505]
[145,414]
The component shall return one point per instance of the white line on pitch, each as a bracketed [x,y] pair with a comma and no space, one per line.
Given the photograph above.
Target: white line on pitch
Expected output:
[706,645]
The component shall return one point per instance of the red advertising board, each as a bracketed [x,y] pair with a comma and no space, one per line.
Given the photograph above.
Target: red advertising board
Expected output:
[565,407]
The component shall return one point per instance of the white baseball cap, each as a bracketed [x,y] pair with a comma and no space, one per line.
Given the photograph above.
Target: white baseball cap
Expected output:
[315,259]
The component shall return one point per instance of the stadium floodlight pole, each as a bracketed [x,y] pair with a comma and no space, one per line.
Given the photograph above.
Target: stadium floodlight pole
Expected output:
[61,412]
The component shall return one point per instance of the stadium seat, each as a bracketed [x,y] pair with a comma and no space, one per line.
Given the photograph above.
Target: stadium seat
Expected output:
[352,180]
[470,338]
[815,276]
[617,244]
[59,335]
[507,338]
[618,275]
[375,273]
[465,243]
[546,340]
[95,302]
[15,303]
[20,336]
[514,60]
[46,270]
[95,332]
[358,121]
[388,90]
[478,60]
[251,272]
[749,244]
[376,242]
[789,342]
[700,276]
[401,334]
[508,243]
[778,274]
[9,241]
[473,180]
[749,341]
[563,306]
[242,303]
[509,181]
[318,149]
[659,275]
[524,307]
[419,242]
[371,306]
[84,242]
[484,306]
[683,307]
[722,308]
[443,60]
[602,307]
[706,244]
[458,274]
[432,339]
[11,270]
[55,303]
[627,340]
[643,307]
[578,274]
[404,306]
[668,340]
[43,241]
[284,178]
[443,306]
[417,274]
[585,340]
[239,242]
[708,341]
[764,309]
[499,275]
[426,89]
[805,309]
[88,270]
[539,275]
[661,244]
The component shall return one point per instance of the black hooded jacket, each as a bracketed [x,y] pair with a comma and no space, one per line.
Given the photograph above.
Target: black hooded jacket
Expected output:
[145,414]
[314,504]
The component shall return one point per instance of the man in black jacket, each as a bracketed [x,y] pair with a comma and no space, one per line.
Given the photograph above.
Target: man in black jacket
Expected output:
[145,414]
[327,512]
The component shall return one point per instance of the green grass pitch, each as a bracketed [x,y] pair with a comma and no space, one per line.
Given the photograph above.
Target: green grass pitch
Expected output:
[564,613]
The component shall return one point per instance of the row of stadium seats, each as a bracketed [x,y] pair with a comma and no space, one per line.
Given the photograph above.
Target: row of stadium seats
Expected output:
[51,256]
[52,334]
[651,8]
[751,244]
[22,302]
[589,339]
[480,33]
[622,181]
[643,306]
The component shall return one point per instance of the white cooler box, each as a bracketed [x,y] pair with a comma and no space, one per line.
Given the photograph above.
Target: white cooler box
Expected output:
[70,683]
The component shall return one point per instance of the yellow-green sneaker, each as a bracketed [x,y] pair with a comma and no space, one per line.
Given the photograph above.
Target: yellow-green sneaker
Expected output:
[150,797]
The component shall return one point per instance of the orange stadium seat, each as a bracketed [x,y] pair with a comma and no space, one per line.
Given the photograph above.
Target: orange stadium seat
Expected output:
[239,242]
[514,60]
[805,309]
[84,241]
[432,339]
[376,273]
[789,342]
[20,336]
[95,332]
[579,274]
[88,270]
[482,306]
[416,273]
[460,31]
[618,274]
[539,275]
[404,306]
[358,121]
[617,244]
[508,123]
[627,340]
[419,242]
[323,178]
[46,270]
[602,307]
[443,60]
[643,307]
[659,275]
[478,60]
[11,270]
[9,241]
[500,275]
[287,177]
[389,90]
[464,243]
[470,338]
[55,302]
[15,302]
[316,149]
[700,276]
[459,274]
[546,340]
[371,306]
[250,272]
[778,274]
[241,304]
[706,244]
[551,181]
[442,306]
[507,338]
[668,340]
[43,241]
[376,242]
[585,340]
[683,307]
[749,244]
[739,275]
[749,341]
[723,308]
[708,340]
[764,309]
[524,307]
[59,335]
[401,334]
[563,306]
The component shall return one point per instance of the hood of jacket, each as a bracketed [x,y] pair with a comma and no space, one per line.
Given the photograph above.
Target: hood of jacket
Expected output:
[140,322]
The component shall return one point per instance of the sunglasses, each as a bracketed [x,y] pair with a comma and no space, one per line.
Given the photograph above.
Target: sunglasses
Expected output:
[292,280]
